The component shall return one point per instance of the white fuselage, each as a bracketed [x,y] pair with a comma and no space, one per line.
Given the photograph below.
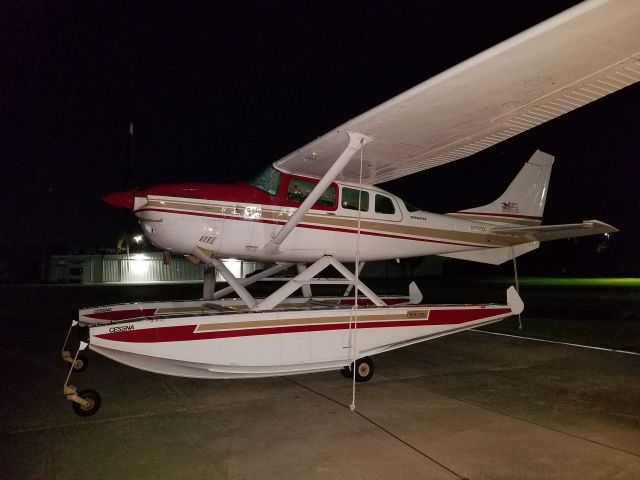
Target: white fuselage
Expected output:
[242,229]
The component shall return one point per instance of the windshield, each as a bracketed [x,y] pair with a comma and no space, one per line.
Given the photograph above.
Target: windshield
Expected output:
[268,180]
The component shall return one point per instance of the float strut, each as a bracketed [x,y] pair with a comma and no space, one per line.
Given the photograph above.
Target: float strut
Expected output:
[66,355]
[69,390]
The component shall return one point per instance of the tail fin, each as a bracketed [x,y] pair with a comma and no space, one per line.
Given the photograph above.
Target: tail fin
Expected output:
[523,201]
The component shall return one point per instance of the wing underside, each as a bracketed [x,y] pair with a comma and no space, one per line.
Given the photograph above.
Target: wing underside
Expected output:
[568,61]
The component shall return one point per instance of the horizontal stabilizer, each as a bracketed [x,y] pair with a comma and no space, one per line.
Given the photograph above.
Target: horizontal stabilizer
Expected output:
[494,256]
[558,232]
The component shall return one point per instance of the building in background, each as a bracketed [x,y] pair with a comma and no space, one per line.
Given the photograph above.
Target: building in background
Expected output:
[149,267]
[135,268]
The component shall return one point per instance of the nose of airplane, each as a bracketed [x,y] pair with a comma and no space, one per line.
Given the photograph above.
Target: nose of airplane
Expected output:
[120,199]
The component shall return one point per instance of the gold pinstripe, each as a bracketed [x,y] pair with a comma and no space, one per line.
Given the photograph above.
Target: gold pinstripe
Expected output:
[422,314]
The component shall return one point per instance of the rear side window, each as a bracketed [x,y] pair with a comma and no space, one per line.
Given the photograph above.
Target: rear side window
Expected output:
[351,198]
[384,205]
[300,189]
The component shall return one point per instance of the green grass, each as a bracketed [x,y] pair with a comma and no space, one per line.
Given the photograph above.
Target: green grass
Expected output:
[627,282]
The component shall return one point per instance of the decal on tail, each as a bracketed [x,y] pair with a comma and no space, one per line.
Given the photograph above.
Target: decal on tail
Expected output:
[523,201]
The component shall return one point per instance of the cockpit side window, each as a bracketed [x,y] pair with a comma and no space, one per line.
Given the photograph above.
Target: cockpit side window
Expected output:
[351,198]
[384,205]
[268,180]
[299,189]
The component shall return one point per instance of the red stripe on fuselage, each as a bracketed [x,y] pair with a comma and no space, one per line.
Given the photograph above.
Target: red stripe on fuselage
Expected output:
[185,333]
[238,192]
[226,192]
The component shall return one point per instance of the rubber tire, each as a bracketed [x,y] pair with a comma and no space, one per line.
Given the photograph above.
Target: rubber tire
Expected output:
[364,370]
[93,397]
[83,363]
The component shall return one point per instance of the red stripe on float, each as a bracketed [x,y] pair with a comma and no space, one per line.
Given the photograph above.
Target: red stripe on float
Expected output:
[185,333]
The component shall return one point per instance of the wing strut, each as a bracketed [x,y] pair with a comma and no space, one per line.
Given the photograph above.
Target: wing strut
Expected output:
[356,142]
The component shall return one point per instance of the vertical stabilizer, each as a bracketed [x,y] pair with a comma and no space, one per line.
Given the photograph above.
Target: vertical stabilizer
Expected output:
[523,201]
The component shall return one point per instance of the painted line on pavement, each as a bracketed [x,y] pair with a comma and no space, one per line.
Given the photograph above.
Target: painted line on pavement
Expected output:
[591,347]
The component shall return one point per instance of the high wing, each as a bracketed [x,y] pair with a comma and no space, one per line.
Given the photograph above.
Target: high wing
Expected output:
[568,61]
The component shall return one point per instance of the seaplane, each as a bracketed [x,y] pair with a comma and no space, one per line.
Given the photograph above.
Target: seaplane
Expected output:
[321,206]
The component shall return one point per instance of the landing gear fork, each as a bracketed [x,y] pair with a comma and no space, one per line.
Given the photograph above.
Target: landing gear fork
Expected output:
[86,402]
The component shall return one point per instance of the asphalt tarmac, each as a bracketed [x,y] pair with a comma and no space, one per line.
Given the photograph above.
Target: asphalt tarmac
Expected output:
[472,405]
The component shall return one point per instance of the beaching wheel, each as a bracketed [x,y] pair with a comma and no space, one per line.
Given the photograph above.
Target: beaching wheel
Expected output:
[81,363]
[364,370]
[93,406]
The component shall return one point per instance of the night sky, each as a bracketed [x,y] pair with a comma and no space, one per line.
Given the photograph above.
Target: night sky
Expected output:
[218,90]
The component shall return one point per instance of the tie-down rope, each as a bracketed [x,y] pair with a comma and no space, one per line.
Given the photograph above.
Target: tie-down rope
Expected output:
[354,309]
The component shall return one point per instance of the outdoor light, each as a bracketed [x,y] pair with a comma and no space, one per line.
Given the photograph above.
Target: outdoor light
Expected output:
[137,239]
[139,264]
